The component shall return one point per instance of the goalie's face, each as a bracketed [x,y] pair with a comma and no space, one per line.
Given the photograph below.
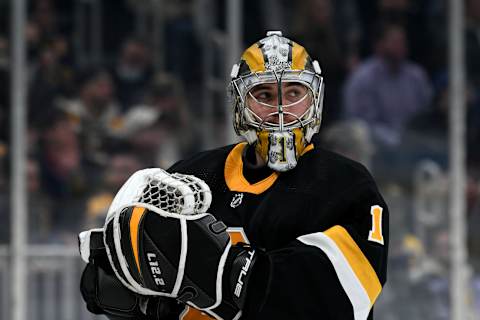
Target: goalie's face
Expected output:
[277,100]
[274,106]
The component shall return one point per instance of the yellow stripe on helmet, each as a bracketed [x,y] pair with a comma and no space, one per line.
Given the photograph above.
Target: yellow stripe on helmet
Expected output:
[299,57]
[253,56]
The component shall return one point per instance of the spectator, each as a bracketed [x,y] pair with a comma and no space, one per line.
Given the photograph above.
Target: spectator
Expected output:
[95,113]
[183,45]
[421,20]
[44,16]
[52,78]
[41,27]
[167,133]
[414,16]
[387,89]
[132,72]
[64,178]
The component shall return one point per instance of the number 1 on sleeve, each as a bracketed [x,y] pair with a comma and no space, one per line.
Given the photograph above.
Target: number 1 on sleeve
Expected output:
[375,233]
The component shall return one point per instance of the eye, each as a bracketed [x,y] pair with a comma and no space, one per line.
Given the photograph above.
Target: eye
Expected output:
[295,93]
[262,95]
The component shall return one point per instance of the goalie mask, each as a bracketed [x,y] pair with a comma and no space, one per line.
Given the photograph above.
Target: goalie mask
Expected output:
[277,96]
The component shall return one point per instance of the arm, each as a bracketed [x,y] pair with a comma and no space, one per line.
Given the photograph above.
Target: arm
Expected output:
[335,273]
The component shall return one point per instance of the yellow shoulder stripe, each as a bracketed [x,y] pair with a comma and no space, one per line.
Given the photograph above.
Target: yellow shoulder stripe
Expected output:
[235,179]
[357,261]
[137,214]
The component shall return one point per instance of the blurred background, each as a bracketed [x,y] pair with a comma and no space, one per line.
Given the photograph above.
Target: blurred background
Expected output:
[115,86]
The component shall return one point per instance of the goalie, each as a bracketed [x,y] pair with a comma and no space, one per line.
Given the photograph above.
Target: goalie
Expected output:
[271,228]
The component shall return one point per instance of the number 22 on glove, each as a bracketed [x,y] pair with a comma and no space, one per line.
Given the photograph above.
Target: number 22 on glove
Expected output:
[237,235]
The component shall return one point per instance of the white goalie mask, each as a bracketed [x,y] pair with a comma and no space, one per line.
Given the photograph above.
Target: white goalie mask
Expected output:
[280,120]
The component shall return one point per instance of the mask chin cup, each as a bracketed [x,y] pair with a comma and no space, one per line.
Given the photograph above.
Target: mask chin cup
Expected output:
[280,150]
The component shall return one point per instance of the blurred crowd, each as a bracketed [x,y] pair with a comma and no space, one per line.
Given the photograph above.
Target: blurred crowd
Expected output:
[92,121]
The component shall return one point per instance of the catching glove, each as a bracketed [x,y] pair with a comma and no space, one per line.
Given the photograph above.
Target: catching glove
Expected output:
[161,242]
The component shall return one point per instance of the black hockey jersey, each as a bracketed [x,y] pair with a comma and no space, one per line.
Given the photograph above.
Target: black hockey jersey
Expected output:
[323,225]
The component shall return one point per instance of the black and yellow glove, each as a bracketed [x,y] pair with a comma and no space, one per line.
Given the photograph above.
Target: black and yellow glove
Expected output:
[189,258]
[105,294]
[161,242]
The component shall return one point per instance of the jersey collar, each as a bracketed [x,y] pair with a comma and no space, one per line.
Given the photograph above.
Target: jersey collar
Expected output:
[235,179]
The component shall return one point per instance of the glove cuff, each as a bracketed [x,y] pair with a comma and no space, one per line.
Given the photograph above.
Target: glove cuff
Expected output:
[237,273]
[90,244]
[242,265]
[259,285]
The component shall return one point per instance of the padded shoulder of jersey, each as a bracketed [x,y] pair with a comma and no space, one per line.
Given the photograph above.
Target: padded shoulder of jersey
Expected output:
[205,159]
[207,165]
[321,167]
